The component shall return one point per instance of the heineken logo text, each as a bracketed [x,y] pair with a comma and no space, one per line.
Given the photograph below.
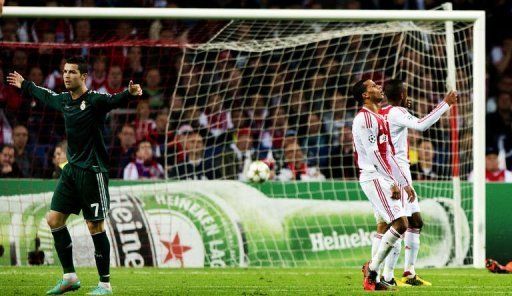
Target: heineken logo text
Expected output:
[335,241]
[131,235]
[192,208]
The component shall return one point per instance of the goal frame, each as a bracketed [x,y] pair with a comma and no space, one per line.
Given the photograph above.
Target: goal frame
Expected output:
[474,16]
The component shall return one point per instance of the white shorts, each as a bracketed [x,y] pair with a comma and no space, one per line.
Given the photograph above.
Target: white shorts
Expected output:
[410,207]
[378,192]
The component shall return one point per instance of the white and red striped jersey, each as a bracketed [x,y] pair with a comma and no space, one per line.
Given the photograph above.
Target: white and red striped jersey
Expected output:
[399,120]
[497,176]
[373,153]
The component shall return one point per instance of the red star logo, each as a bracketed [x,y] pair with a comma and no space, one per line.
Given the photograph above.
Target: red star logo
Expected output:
[175,249]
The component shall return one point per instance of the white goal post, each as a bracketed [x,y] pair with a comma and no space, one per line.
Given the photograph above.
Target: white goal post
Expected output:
[478,65]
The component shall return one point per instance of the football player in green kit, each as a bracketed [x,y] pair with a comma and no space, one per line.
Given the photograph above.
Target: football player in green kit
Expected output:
[83,185]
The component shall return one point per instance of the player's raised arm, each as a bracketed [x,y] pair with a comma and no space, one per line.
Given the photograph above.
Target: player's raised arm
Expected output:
[402,117]
[108,102]
[46,96]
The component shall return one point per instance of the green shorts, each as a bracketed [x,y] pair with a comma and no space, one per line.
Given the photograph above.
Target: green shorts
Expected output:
[82,190]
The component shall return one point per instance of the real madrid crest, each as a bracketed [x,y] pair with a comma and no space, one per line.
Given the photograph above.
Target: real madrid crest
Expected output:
[82,106]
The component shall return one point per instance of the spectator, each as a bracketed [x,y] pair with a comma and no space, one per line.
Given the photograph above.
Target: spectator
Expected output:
[144,125]
[29,166]
[54,80]
[341,163]
[239,119]
[176,109]
[257,113]
[59,159]
[122,151]
[11,32]
[414,141]
[125,31]
[334,117]
[238,156]
[153,90]
[158,137]
[5,129]
[295,167]
[299,107]
[426,169]
[499,126]
[144,166]
[133,69]
[44,50]
[316,142]
[35,75]
[61,29]
[9,167]
[215,118]
[272,137]
[20,62]
[82,31]
[493,173]
[83,35]
[114,81]
[10,99]
[502,56]
[195,166]
[98,77]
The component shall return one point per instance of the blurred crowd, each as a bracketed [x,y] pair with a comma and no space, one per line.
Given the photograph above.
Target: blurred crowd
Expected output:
[218,121]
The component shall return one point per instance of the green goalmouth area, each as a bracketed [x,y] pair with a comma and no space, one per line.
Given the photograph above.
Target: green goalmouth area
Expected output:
[36,280]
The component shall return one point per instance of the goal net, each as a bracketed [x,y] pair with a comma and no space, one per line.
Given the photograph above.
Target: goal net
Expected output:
[221,96]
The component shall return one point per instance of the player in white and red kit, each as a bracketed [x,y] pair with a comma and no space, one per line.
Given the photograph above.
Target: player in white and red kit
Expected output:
[380,175]
[399,120]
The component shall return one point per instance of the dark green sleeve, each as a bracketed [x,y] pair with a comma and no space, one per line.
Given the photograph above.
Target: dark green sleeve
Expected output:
[44,95]
[107,102]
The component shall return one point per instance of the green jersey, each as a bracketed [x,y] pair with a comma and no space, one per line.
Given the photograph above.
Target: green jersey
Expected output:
[84,119]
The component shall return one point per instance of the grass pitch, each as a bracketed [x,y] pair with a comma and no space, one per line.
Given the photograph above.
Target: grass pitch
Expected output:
[252,281]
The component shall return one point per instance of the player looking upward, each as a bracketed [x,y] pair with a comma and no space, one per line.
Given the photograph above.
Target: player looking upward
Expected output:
[399,120]
[83,184]
[380,175]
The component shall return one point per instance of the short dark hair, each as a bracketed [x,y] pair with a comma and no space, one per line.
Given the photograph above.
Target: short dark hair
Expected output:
[358,90]
[393,90]
[80,61]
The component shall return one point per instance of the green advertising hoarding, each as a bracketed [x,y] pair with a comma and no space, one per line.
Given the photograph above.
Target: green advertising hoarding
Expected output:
[227,223]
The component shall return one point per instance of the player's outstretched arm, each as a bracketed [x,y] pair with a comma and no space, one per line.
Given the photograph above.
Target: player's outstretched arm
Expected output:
[107,102]
[46,96]
[402,117]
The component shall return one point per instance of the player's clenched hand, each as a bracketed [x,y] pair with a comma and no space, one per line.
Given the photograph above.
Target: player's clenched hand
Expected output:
[395,192]
[15,79]
[410,193]
[408,103]
[134,89]
[451,97]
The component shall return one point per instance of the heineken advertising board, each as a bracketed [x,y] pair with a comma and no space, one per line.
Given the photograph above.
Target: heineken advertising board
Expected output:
[220,224]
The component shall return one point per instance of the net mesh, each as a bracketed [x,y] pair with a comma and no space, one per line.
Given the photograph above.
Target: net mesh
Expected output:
[234,92]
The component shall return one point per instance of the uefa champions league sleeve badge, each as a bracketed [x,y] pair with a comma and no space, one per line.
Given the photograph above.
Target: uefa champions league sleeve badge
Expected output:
[82,106]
